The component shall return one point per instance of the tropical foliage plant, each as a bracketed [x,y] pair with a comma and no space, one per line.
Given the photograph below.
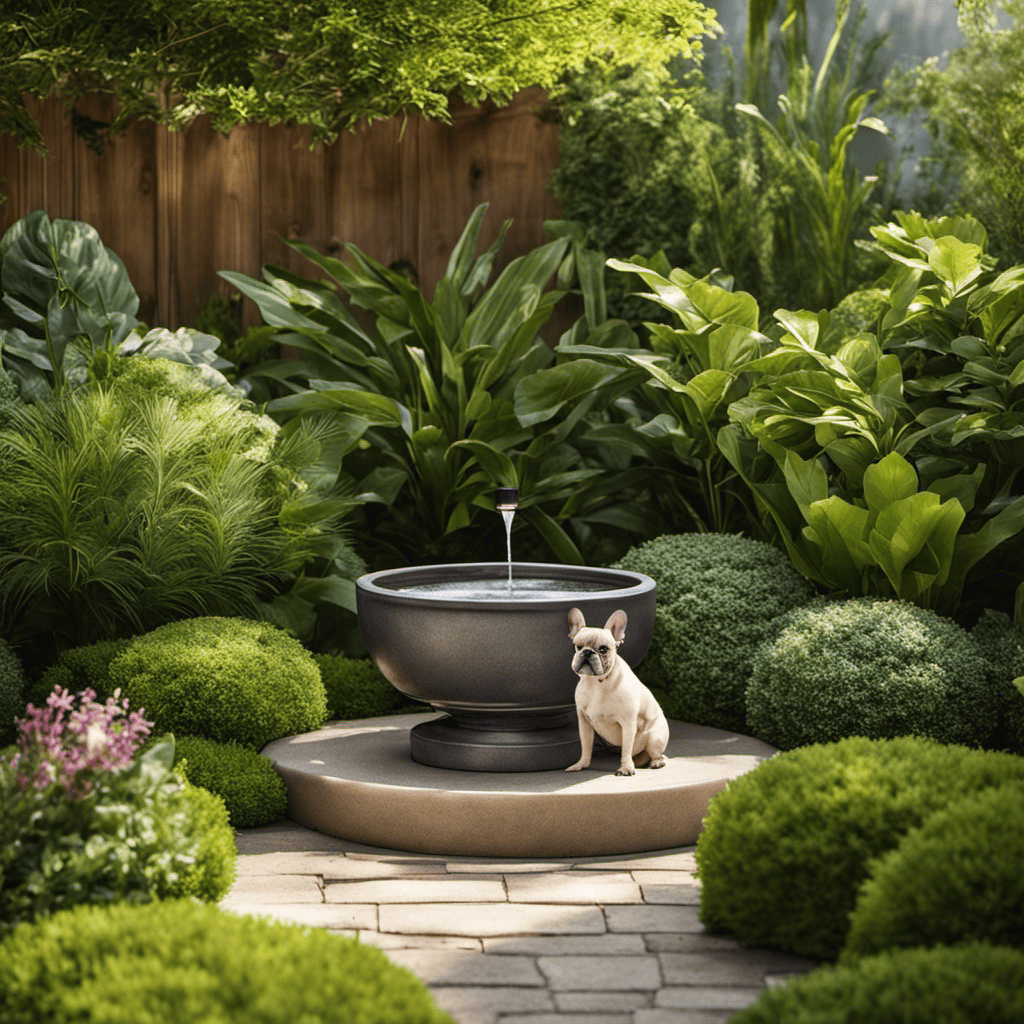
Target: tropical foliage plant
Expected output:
[422,403]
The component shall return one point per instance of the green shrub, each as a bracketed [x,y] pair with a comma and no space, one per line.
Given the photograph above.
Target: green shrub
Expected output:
[869,667]
[78,669]
[957,878]
[356,688]
[858,312]
[247,782]
[177,962]
[786,847]
[213,873]
[12,684]
[971,984]
[719,599]
[1002,646]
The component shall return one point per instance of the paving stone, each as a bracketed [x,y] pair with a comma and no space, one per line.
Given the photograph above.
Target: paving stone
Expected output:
[463,967]
[482,1004]
[682,895]
[582,1002]
[565,1018]
[286,836]
[705,997]
[394,940]
[259,889]
[420,889]
[666,877]
[294,862]
[687,942]
[343,868]
[660,1016]
[507,867]
[648,918]
[314,915]
[567,945]
[728,967]
[490,919]
[601,973]
[573,887]
[658,860]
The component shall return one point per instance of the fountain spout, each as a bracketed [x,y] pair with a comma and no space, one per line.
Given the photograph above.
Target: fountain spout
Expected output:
[506,499]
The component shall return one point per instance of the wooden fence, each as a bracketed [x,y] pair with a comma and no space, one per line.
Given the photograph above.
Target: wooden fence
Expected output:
[179,206]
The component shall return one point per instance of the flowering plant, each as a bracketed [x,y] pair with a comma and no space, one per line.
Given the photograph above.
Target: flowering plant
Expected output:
[82,820]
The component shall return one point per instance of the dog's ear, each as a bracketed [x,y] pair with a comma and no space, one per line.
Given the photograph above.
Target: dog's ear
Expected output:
[616,625]
[576,622]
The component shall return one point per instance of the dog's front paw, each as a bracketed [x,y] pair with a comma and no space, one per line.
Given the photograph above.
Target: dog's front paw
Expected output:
[658,762]
[626,770]
[578,766]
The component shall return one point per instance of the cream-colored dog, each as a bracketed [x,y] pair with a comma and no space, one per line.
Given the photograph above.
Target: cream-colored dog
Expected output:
[611,701]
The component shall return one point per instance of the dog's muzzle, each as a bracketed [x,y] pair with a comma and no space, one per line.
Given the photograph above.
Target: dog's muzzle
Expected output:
[587,659]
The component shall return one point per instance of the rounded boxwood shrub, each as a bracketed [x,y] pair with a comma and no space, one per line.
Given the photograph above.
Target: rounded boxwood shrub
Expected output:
[178,962]
[252,791]
[719,598]
[213,873]
[222,678]
[356,688]
[868,667]
[957,877]
[970,984]
[78,669]
[12,684]
[1002,646]
[786,847]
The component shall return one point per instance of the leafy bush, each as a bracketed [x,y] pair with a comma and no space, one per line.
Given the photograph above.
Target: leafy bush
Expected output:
[356,688]
[12,683]
[1001,644]
[252,791]
[177,961]
[83,821]
[867,667]
[145,499]
[970,984]
[80,668]
[786,847]
[956,878]
[719,599]
[859,312]
[224,679]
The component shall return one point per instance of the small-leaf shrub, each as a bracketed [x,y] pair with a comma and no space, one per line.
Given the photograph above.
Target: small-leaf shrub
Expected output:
[869,667]
[177,961]
[1002,646]
[719,599]
[12,684]
[226,679]
[786,847]
[83,821]
[80,668]
[970,984]
[356,688]
[252,791]
[957,878]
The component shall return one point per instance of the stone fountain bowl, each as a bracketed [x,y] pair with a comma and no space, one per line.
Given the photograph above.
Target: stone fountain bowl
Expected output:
[498,665]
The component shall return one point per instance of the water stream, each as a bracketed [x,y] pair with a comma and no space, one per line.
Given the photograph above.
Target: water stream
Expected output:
[508,514]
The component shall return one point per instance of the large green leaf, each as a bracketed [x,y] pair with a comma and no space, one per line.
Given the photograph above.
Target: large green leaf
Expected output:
[890,480]
[544,395]
[957,263]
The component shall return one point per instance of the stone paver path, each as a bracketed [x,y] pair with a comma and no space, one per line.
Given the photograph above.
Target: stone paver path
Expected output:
[601,940]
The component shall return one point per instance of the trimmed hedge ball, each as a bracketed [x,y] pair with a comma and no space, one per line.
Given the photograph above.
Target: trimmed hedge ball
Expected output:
[719,598]
[12,685]
[786,847]
[213,873]
[178,962]
[869,667]
[223,678]
[969,984]
[356,688]
[956,878]
[252,791]
[1002,647]
[78,669]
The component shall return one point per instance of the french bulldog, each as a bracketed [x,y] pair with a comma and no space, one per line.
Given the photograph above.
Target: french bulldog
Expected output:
[611,701]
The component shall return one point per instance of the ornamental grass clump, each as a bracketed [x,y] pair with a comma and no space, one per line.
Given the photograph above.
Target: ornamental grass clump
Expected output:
[84,820]
[786,847]
[719,598]
[869,667]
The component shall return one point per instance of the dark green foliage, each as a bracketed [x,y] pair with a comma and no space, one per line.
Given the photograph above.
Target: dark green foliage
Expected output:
[356,688]
[859,312]
[12,684]
[78,669]
[225,679]
[956,878]
[8,398]
[786,847]
[252,791]
[971,984]
[869,667]
[719,599]
[177,962]
[1002,646]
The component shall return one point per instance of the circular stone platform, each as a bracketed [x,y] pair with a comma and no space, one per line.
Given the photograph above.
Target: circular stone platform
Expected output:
[356,780]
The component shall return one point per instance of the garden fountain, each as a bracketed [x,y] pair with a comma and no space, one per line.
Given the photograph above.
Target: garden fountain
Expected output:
[486,644]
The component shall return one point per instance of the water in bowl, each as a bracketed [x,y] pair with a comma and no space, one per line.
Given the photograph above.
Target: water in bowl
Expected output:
[491,589]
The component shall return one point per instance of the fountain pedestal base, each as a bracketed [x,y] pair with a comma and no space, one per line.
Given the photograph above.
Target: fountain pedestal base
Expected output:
[444,743]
